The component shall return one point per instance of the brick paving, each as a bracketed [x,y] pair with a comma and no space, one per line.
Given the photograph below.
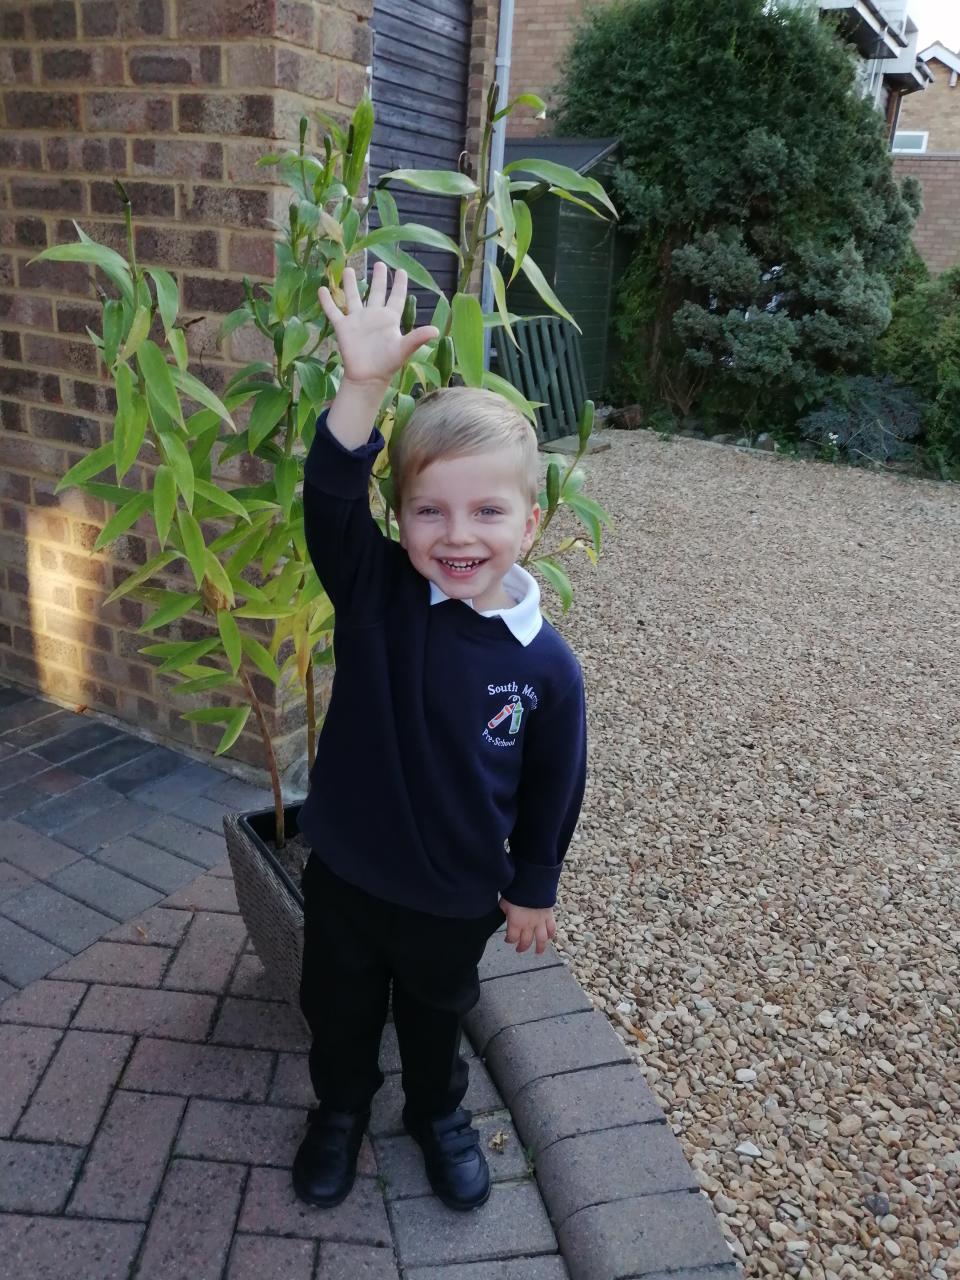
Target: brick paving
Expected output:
[154,1084]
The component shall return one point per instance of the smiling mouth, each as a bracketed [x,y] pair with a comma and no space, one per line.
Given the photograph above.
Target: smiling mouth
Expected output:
[461,566]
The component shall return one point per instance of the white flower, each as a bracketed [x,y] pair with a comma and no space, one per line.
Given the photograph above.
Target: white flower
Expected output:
[833,437]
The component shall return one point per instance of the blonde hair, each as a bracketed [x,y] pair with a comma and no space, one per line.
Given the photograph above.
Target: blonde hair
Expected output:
[456,422]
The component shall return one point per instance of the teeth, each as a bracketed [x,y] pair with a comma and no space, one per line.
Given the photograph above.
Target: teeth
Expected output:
[461,564]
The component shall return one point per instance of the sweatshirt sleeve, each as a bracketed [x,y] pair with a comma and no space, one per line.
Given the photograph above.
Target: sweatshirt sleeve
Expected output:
[353,560]
[551,793]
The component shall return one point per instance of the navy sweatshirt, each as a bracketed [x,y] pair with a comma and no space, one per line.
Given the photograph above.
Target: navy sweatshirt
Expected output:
[414,795]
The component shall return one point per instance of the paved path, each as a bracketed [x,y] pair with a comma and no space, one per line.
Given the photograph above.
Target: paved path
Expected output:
[153,1087]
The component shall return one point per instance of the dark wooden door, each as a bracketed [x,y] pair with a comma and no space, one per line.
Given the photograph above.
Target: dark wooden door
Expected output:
[421,56]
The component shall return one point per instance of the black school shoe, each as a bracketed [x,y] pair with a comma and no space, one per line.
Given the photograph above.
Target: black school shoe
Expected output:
[456,1167]
[326,1163]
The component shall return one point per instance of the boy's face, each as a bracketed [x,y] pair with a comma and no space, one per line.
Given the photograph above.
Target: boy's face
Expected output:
[465,521]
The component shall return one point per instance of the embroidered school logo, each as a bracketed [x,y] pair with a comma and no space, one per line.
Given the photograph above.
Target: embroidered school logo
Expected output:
[503,726]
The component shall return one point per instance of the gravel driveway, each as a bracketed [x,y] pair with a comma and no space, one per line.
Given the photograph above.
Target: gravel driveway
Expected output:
[763,894]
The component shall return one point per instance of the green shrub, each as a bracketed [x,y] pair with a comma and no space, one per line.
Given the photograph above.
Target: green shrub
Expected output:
[867,421]
[760,185]
[922,348]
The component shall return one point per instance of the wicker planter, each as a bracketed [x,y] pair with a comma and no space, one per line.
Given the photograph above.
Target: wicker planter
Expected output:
[270,903]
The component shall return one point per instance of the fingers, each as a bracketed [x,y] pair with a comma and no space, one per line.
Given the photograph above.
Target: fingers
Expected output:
[416,338]
[398,294]
[551,928]
[330,308]
[351,292]
[378,285]
[542,937]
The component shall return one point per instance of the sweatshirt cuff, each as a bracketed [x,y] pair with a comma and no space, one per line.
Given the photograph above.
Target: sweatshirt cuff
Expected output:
[336,471]
[533,885]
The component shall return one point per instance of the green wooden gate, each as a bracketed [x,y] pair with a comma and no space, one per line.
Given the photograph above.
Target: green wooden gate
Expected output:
[547,368]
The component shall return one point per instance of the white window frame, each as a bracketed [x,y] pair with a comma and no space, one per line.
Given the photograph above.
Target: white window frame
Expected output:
[913,133]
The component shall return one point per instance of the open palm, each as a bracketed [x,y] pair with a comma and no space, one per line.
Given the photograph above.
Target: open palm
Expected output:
[371,343]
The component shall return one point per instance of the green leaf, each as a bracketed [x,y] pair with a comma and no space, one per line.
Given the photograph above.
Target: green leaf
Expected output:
[138,330]
[98,255]
[286,288]
[112,330]
[180,653]
[235,320]
[193,545]
[400,260]
[503,208]
[527,100]
[314,383]
[591,513]
[439,182]
[468,338]
[560,175]
[296,335]
[233,730]
[268,408]
[164,501]
[248,371]
[553,484]
[413,231]
[121,520]
[159,379]
[215,572]
[203,684]
[494,382]
[386,207]
[196,390]
[178,458]
[260,657]
[286,479]
[523,225]
[177,342]
[266,612]
[153,565]
[135,428]
[244,553]
[361,131]
[209,715]
[230,635]
[221,498]
[174,604]
[168,297]
[87,467]
[500,294]
[557,579]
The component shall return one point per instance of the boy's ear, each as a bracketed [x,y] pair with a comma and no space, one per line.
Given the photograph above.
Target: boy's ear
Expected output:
[530,528]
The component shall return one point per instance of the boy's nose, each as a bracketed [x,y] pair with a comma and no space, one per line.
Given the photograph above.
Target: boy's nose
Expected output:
[458,532]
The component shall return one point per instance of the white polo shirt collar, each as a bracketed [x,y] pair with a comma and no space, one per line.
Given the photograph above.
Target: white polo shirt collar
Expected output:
[523,619]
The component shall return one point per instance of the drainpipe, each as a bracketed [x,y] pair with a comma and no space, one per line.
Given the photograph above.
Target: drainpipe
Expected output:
[502,77]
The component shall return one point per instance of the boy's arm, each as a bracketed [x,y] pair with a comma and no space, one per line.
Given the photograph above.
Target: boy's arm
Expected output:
[347,549]
[551,793]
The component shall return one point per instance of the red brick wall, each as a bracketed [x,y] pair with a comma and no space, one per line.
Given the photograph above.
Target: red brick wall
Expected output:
[541,32]
[178,98]
[937,233]
[935,111]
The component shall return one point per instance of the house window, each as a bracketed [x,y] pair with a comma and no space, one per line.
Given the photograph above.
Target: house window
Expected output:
[910,142]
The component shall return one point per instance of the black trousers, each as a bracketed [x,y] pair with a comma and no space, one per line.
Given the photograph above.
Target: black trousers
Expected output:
[354,947]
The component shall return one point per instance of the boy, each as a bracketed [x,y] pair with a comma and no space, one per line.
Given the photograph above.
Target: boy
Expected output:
[456,724]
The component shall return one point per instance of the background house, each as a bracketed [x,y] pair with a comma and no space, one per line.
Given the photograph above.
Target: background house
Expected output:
[882,32]
[927,145]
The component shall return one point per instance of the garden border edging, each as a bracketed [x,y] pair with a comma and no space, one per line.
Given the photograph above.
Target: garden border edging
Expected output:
[622,1196]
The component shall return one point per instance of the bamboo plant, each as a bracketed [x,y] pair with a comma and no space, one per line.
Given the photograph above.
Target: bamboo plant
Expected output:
[242,549]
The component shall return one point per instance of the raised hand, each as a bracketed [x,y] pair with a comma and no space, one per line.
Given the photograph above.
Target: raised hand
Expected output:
[369,337]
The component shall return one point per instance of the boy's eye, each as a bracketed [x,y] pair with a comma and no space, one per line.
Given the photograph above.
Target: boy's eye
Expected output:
[490,511]
[426,511]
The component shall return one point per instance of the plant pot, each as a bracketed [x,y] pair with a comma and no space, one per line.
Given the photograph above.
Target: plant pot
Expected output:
[270,902]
